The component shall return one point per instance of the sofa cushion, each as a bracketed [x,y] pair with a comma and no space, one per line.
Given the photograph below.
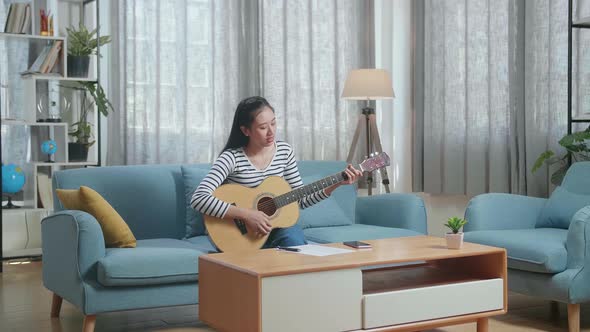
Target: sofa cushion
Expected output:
[115,231]
[577,178]
[192,177]
[152,262]
[536,250]
[202,243]
[561,207]
[338,209]
[150,198]
[354,232]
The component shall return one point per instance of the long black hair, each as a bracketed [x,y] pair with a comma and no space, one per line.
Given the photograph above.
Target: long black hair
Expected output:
[246,111]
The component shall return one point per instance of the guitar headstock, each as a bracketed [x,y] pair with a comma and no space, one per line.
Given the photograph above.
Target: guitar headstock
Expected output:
[376,161]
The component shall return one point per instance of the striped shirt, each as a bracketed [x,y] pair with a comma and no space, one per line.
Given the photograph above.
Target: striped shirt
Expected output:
[233,166]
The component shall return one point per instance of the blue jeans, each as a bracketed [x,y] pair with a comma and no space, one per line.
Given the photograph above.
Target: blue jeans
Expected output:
[285,237]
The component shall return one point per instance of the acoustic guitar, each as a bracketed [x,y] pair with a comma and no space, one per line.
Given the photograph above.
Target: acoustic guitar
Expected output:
[275,197]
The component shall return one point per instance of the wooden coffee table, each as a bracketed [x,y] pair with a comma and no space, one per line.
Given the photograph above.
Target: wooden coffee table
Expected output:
[430,286]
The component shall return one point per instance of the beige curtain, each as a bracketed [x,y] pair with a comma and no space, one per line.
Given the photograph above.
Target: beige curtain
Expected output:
[182,66]
[494,93]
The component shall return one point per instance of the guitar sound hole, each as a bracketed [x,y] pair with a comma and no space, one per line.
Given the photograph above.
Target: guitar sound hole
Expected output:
[267,205]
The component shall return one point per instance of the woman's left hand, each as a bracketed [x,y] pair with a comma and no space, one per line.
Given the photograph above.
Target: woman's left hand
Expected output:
[352,173]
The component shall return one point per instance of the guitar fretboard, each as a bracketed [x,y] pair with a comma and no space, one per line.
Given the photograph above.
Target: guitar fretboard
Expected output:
[307,190]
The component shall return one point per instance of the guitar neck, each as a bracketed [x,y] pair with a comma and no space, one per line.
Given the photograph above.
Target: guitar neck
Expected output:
[314,187]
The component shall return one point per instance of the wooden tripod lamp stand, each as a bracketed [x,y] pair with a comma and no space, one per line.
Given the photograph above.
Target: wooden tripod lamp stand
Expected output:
[368,84]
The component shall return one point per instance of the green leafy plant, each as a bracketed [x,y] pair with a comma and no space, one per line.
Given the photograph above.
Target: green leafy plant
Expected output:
[92,94]
[82,42]
[455,224]
[577,146]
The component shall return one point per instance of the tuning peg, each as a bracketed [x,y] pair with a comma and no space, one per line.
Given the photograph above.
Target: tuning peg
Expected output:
[376,153]
[371,155]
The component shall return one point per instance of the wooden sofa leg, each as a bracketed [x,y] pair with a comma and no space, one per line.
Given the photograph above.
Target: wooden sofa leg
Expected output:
[573,317]
[56,305]
[89,323]
[482,324]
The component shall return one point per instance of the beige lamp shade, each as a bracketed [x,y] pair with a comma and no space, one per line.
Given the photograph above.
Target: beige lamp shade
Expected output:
[368,84]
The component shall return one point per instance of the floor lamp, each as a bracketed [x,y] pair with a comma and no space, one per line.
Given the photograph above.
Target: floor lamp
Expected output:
[368,84]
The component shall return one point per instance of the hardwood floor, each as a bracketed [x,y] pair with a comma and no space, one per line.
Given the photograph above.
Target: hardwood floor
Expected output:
[25,305]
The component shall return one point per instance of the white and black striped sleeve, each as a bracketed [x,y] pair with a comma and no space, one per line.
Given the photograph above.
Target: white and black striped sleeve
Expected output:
[203,199]
[291,175]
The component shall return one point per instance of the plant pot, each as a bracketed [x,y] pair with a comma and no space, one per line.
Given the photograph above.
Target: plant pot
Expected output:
[78,65]
[454,241]
[77,152]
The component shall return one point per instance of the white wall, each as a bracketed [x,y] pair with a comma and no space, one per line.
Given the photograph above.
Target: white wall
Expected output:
[394,45]
[393,51]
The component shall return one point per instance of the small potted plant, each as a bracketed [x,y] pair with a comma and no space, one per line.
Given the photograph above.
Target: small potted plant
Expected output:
[91,94]
[81,45]
[455,238]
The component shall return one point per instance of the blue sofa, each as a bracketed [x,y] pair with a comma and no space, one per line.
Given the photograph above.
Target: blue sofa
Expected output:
[162,270]
[547,240]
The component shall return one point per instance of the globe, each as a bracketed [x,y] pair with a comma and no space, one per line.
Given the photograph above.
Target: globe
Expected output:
[13,178]
[49,147]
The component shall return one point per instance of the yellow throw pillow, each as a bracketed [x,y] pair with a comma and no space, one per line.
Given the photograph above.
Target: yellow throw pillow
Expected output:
[116,232]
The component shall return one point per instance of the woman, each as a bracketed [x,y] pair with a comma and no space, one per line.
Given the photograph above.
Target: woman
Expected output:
[250,156]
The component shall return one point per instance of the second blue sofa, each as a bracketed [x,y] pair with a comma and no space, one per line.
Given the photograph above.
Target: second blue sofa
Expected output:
[547,240]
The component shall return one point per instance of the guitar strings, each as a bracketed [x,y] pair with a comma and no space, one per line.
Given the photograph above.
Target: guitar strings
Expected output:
[271,203]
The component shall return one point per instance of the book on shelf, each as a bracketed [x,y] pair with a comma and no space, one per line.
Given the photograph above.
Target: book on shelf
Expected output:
[51,58]
[36,66]
[19,18]
[9,18]
[46,60]
[45,193]
[27,21]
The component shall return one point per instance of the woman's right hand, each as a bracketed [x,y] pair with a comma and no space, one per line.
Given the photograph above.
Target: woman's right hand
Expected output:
[257,221]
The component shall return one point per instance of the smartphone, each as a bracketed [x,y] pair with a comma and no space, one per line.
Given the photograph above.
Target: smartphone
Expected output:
[357,244]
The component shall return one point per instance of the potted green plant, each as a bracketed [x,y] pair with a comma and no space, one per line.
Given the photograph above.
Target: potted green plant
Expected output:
[577,146]
[92,95]
[455,237]
[81,45]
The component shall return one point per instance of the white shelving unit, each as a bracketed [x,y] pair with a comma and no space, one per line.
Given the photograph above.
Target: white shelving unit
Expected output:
[29,36]
[21,118]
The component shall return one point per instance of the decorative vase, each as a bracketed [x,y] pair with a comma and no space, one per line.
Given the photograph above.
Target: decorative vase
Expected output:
[77,152]
[78,65]
[454,241]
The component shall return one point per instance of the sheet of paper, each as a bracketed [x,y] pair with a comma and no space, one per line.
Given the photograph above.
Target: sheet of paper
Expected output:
[315,250]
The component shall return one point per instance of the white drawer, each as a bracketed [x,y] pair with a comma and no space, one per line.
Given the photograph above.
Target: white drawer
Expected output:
[317,301]
[417,304]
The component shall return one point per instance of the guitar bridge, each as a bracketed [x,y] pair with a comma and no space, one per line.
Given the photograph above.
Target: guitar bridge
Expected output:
[241,226]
